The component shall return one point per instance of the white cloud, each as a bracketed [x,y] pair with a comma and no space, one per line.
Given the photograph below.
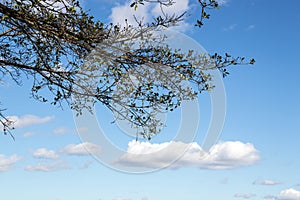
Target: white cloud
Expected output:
[48,167]
[177,8]
[269,197]
[266,182]
[7,163]
[86,165]
[122,12]
[28,120]
[222,2]
[224,181]
[61,130]
[28,134]
[289,194]
[250,27]
[244,196]
[147,12]
[82,149]
[120,198]
[224,155]
[44,153]
[231,27]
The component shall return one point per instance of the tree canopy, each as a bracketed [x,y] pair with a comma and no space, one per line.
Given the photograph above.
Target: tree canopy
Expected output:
[80,60]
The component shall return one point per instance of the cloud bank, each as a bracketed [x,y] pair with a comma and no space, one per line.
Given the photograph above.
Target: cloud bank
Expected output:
[224,155]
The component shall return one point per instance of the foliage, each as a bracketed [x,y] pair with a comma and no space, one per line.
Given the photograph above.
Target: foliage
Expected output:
[83,61]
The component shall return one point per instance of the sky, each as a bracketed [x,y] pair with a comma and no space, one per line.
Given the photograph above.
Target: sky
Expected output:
[255,156]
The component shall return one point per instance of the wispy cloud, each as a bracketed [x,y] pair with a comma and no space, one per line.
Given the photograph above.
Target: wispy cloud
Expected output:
[120,198]
[224,181]
[250,27]
[81,149]
[61,130]
[49,167]
[28,120]
[231,27]
[86,165]
[28,134]
[270,197]
[8,162]
[222,2]
[266,182]
[224,155]
[245,196]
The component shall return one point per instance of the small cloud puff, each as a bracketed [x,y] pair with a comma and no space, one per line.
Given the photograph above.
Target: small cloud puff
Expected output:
[266,182]
[289,194]
[250,27]
[245,196]
[44,153]
[81,149]
[61,130]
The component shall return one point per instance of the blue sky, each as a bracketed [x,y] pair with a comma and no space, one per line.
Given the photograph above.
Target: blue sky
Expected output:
[255,158]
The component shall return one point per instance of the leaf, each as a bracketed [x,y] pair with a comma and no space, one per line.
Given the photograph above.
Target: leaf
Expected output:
[133,4]
[252,61]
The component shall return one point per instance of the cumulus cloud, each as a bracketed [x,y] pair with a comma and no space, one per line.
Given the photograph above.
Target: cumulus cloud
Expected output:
[28,120]
[224,155]
[7,162]
[44,153]
[81,149]
[49,167]
[245,196]
[289,194]
[266,182]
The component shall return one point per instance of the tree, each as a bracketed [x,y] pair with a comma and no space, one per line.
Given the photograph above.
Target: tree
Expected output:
[82,61]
